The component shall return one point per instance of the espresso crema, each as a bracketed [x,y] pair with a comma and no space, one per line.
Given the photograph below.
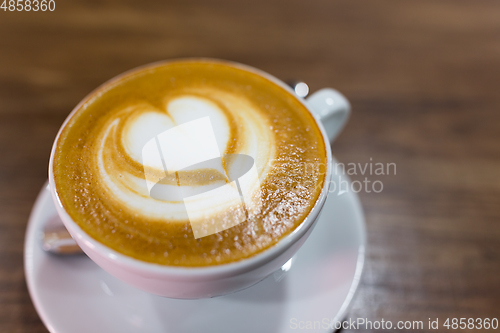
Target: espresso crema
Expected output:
[153,200]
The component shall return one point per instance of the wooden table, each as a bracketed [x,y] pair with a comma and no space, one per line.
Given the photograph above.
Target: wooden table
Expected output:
[423,78]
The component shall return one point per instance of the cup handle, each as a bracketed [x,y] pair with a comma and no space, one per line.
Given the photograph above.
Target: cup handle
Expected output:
[332,108]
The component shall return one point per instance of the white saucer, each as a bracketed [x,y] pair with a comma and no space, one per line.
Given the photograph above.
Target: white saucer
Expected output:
[72,294]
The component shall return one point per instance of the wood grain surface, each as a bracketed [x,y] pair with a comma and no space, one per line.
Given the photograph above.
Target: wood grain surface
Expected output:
[422,76]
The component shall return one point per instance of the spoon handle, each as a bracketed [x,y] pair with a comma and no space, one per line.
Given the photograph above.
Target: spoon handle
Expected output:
[56,239]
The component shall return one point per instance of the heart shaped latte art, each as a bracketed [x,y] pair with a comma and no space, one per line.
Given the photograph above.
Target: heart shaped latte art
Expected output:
[238,128]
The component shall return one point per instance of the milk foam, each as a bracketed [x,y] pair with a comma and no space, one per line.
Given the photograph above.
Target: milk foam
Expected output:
[194,177]
[114,178]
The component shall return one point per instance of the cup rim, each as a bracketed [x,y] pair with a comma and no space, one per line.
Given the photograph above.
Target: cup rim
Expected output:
[217,270]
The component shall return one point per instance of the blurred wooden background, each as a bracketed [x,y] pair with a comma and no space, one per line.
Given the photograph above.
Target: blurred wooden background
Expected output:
[423,78]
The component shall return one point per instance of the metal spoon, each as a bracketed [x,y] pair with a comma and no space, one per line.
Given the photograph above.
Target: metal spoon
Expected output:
[300,88]
[56,239]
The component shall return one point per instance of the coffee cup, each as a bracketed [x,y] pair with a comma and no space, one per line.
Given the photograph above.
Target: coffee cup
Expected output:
[329,110]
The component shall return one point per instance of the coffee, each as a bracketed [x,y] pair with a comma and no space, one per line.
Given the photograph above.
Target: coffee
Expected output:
[110,160]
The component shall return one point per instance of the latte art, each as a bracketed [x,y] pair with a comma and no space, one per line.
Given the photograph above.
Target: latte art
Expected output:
[189,163]
[135,131]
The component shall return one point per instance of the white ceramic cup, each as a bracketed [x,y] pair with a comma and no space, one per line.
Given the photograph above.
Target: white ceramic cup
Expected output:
[331,111]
